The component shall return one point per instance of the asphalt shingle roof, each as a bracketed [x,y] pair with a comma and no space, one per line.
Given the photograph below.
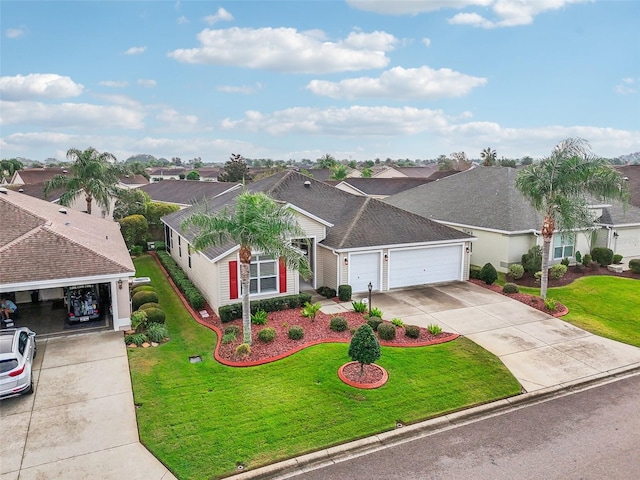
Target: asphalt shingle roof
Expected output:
[185,192]
[382,186]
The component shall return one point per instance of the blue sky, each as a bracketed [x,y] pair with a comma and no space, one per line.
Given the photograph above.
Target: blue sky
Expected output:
[298,79]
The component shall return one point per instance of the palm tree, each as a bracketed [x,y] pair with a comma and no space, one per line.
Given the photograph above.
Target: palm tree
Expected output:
[92,173]
[256,223]
[559,187]
[489,157]
[340,172]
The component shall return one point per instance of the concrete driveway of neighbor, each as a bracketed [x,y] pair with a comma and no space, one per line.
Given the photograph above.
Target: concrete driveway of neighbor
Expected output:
[540,350]
[80,423]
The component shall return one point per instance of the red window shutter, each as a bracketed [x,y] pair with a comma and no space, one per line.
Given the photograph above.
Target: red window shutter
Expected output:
[283,276]
[233,279]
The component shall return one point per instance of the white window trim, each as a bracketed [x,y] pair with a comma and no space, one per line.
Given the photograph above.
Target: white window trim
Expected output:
[564,241]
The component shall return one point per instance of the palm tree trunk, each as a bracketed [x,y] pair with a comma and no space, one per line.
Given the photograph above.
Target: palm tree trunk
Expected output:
[246,305]
[548,226]
[88,198]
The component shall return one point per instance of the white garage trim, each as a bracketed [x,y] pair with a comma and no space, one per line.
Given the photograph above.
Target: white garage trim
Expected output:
[365,268]
[421,266]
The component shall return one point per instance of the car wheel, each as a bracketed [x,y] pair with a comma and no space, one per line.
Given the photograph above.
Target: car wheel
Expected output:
[29,391]
[35,350]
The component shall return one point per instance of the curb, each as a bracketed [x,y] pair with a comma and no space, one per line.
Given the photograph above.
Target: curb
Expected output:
[402,434]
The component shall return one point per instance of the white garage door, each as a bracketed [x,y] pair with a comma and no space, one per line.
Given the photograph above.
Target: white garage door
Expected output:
[628,242]
[364,268]
[424,265]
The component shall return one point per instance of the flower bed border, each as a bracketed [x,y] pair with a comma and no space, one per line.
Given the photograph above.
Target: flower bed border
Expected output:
[367,386]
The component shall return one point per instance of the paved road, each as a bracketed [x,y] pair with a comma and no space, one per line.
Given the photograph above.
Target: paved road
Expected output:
[594,434]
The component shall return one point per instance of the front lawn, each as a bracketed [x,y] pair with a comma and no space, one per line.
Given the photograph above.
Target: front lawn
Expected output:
[204,419]
[603,305]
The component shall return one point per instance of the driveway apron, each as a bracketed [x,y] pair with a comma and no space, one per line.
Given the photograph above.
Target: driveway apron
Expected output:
[540,350]
[80,423]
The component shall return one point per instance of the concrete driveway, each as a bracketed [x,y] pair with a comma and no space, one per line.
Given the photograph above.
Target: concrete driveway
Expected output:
[80,423]
[540,350]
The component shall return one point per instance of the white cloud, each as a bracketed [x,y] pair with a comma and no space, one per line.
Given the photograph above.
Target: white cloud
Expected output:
[182,20]
[135,50]
[113,83]
[399,83]
[220,16]
[426,41]
[147,83]
[287,50]
[44,85]
[15,32]
[176,121]
[65,115]
[413,7]
[243,89]
[626,86]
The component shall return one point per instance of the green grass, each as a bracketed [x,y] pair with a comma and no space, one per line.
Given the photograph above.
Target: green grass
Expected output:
[204,419]
[603,305]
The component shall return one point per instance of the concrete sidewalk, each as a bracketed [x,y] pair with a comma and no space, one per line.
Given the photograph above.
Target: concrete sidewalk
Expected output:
[541,351]
[80,423]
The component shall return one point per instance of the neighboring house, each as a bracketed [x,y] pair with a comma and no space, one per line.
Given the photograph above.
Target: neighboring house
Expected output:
[208,174]
[485,203]
[165,173]
[349,239]
[46,248]
[414,172]
[324,174]
[378,187]
[133,181]
[186,192]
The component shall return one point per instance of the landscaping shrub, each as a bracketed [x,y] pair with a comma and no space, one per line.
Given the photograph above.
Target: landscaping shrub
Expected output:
[326,292]
[434,329]
[142,288]
[578,257]
[229,313]
[267,334]
[550,304]
[359,307]
[412,331]
[160,246]
[344,293]
[243,350]
[557,271]
[474,272]
[338,324]
[617,259]
[296,333]
[602,255]
[386,331]
[532,260]
[141,298]
[376,312]
[229,338]
[311,310]
[136,250]
[136,338]
[138,320]
[232,329]
[364,347]
[144,306]
[538,276]
[634,265]
[397,322]
[157,332]
[565,261]
[155,315]
[191,293]
[488,274]
[516,271]
[259,318]
[194,298]
[586,260]
[374,322]
[510,288]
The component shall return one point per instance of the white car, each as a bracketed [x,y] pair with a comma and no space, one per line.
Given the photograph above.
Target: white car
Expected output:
[17,351]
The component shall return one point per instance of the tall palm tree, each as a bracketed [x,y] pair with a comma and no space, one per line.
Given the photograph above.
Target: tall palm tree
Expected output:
[92,173]
[257,223]
[340,172]
[560,187]
[488,156]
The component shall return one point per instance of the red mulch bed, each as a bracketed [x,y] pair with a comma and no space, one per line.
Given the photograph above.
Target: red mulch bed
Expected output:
[573,273]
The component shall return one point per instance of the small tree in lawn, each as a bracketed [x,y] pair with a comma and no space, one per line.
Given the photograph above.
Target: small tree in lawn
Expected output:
[364,347]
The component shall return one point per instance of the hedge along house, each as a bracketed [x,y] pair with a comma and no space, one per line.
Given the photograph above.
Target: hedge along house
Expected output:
[349,239]
[47,251]
[485,203]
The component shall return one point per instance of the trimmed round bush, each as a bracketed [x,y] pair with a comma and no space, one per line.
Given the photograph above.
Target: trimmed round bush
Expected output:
[516,271]
[412,331]
[142,288]
[149,305]
[488,274]
[296,333]
[602,255]
[634,265]
[143,297]
[338,324]
[155,315]
[267,334]
[157,332]
[243,350]
[557,271]
[229,338]
[510,288]
[386,331]
[374,322]
[617,259]
[233,329]
[474,272]
[586,260]
[344,293]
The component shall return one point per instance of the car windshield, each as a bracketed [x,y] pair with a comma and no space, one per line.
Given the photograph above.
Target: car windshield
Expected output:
[8,365]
